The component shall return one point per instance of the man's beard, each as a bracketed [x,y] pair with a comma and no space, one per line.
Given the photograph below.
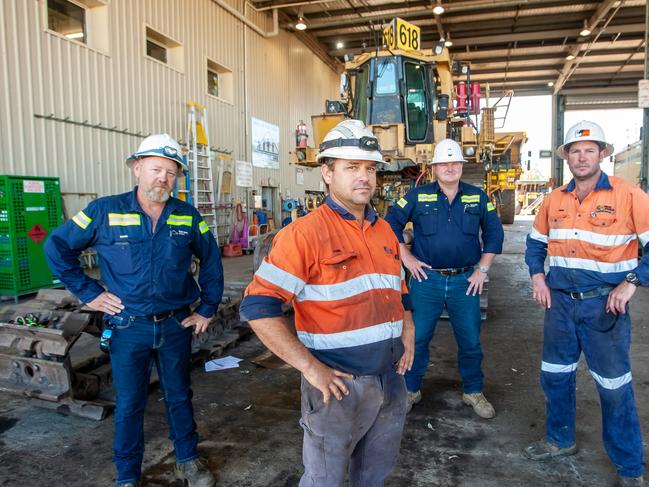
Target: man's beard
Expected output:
[157,194]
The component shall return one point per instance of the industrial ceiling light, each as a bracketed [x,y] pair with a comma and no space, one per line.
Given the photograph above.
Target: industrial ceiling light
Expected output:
[438,9]
[301,24]
[570,57]
[550,84]
[585,31]
[75,35]
[339,45]
[438,48]
[448,42]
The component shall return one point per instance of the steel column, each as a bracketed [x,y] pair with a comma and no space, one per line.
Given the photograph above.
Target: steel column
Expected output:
[558,120]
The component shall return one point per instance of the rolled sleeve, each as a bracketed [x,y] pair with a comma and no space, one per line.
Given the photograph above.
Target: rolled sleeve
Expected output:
[257,307]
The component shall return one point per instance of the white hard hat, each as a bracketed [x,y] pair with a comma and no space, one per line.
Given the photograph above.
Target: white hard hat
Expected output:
[161,145]
[585,131]
[351,140]
[447,150]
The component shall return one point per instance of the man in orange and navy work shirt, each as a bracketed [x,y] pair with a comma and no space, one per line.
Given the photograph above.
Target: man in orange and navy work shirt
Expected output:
[590,229]
[340,267]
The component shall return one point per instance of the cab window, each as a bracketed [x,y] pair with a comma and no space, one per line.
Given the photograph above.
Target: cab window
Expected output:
[416,109]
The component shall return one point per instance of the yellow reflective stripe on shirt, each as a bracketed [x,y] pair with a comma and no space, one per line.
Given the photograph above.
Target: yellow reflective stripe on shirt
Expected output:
[202,226]
[123,219]
[427,198]
[402,202]
[180,220]
[490,206]
[82,220]
[473,198]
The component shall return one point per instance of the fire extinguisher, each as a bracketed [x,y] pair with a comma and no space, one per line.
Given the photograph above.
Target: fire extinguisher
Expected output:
[475,97]
[301,136]
[461,97]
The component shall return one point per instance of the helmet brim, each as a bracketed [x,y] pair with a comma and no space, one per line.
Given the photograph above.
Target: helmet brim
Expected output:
[138,155]
[351,154]
[563,153]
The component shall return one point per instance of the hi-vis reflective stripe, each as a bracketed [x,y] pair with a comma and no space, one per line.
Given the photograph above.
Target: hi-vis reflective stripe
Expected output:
[352,287]
[202,226]
[426,198]
[280,278]
[644,238]
[490,206]
[470,198]
[82,220]
[590,237]
[536,235]
[558,368]
[180,220]
[402,202]
[353,338]
[123,219]
[614,383]
[593,265]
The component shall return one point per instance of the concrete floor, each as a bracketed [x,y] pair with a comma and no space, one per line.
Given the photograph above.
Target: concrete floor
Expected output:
[248,417]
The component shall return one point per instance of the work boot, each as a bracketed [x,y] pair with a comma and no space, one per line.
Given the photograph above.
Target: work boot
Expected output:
[544,450]
[629,481]
[481,406]
[413,398]
[195,473]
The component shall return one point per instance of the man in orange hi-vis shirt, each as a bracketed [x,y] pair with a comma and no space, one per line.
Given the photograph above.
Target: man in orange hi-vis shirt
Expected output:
[341,269]
[590,230]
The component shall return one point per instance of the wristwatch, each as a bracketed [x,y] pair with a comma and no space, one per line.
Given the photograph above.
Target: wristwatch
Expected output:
[484,269]
[632,278]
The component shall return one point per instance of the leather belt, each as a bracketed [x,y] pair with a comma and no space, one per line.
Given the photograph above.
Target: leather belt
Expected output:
[453,271]
[593,293]
[164,316]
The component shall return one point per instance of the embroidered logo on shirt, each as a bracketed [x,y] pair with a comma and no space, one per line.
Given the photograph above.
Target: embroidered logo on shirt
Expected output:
[388,250]
[603,209]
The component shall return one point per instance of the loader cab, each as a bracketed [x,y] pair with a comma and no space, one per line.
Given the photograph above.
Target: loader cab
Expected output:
[396,90]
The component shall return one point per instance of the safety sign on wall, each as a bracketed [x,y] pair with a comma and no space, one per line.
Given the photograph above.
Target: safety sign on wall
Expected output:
[265,144]
[243,174]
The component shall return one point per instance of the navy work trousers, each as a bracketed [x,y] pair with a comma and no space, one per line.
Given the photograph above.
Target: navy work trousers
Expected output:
[570,327]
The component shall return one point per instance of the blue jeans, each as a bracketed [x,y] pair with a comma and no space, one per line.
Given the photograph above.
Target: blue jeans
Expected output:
[428,300]
[605,338]
[136,343]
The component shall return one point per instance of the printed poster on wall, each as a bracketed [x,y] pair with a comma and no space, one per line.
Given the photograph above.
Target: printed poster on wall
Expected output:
[243,174]
[265,144]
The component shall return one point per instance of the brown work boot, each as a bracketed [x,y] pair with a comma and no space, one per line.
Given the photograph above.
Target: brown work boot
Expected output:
[481,406]
[544,450]
[195,472]
[413,398]
[629,481]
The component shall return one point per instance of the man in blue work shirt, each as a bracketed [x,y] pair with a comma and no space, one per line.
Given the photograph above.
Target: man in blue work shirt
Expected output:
[447,216]
[145,240]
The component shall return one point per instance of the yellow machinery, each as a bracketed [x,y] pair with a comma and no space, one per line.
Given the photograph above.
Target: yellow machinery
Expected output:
[405,95]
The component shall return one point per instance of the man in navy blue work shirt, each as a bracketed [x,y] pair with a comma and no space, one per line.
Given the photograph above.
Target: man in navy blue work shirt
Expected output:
[145,240]
[447,216]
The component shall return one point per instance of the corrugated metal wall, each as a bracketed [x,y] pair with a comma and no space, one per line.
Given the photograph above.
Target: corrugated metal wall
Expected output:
[275,79]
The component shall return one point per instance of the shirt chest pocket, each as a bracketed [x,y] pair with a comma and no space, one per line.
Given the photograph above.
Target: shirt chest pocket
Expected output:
[339,265]
[121,256]
[471,221]
[557,220]
[179,250]
[428,221]
[601,219]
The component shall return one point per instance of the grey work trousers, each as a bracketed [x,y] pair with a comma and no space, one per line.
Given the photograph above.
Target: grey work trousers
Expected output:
[359,435]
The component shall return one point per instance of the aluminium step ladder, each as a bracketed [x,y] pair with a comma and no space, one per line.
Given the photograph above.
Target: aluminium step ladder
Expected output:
[200,181]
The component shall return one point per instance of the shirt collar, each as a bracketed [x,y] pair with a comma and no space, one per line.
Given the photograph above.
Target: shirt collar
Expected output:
[370,214]
[602,183]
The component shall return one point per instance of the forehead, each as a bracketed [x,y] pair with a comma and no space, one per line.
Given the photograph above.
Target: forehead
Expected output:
[584,144]
[156,162]
[356,162]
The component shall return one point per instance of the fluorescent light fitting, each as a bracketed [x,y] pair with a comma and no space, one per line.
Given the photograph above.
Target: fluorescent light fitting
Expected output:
[438,9]
[570,57]
[339,45]
[448,42]
[550,84]
[585,31]
[74,35]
